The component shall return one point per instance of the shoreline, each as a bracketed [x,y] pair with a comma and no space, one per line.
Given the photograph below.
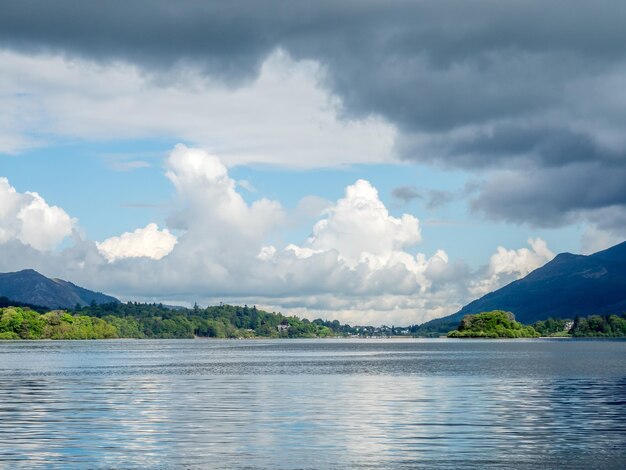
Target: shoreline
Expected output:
[400,339]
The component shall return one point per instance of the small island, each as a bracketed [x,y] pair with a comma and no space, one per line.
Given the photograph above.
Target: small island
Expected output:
[494,324]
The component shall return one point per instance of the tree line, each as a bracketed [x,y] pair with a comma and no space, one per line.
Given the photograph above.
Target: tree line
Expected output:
[151,320]
[145,320]
[141,320]
[24,323]
[582,327]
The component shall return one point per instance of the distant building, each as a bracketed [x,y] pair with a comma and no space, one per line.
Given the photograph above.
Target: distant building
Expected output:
[282,328]
[568,325]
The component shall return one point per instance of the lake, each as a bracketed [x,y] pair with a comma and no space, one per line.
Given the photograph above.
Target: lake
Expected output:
[328,404]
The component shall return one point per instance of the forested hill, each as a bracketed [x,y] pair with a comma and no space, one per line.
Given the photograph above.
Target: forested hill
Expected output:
[138,320]
[135,320]
[5,302]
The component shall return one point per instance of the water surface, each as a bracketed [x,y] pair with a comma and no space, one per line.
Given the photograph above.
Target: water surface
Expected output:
[370,404]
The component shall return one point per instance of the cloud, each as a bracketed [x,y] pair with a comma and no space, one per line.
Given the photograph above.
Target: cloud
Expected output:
[434,198]
[611,219]
[521,262]
[439,198]
[247,185]
[28,218]
[311,207]
[356,259]
[283,117]
[266,253]
[212,203]
[406,193]
[149,242]
[360,228]
[594,240]
[556,196]
[508,265]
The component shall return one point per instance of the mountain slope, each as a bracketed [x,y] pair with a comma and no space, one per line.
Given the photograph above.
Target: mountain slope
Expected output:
[30,287]
[566,286]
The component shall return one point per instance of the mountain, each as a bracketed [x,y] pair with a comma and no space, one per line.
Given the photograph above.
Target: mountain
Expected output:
[568,285]
[28,286]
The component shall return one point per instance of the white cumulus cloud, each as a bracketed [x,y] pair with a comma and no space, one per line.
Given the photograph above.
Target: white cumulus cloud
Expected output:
[357,248]
[213,208]
[148,242]
[360,228]
[507,265]
[28,218]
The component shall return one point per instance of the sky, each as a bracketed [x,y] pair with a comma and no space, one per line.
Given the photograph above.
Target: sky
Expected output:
[369,161]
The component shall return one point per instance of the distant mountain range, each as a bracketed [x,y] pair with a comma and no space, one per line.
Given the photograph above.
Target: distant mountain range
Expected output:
[568,285]
[30,287]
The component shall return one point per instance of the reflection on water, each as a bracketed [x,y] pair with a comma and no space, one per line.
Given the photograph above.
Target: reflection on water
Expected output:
[313,404]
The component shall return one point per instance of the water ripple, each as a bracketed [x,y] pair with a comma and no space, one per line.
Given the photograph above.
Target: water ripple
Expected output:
[313,404]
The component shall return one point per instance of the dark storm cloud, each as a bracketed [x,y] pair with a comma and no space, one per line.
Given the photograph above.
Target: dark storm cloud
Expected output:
[546,146]
[556,196]
[532,86]
[427,64]
[610,218]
